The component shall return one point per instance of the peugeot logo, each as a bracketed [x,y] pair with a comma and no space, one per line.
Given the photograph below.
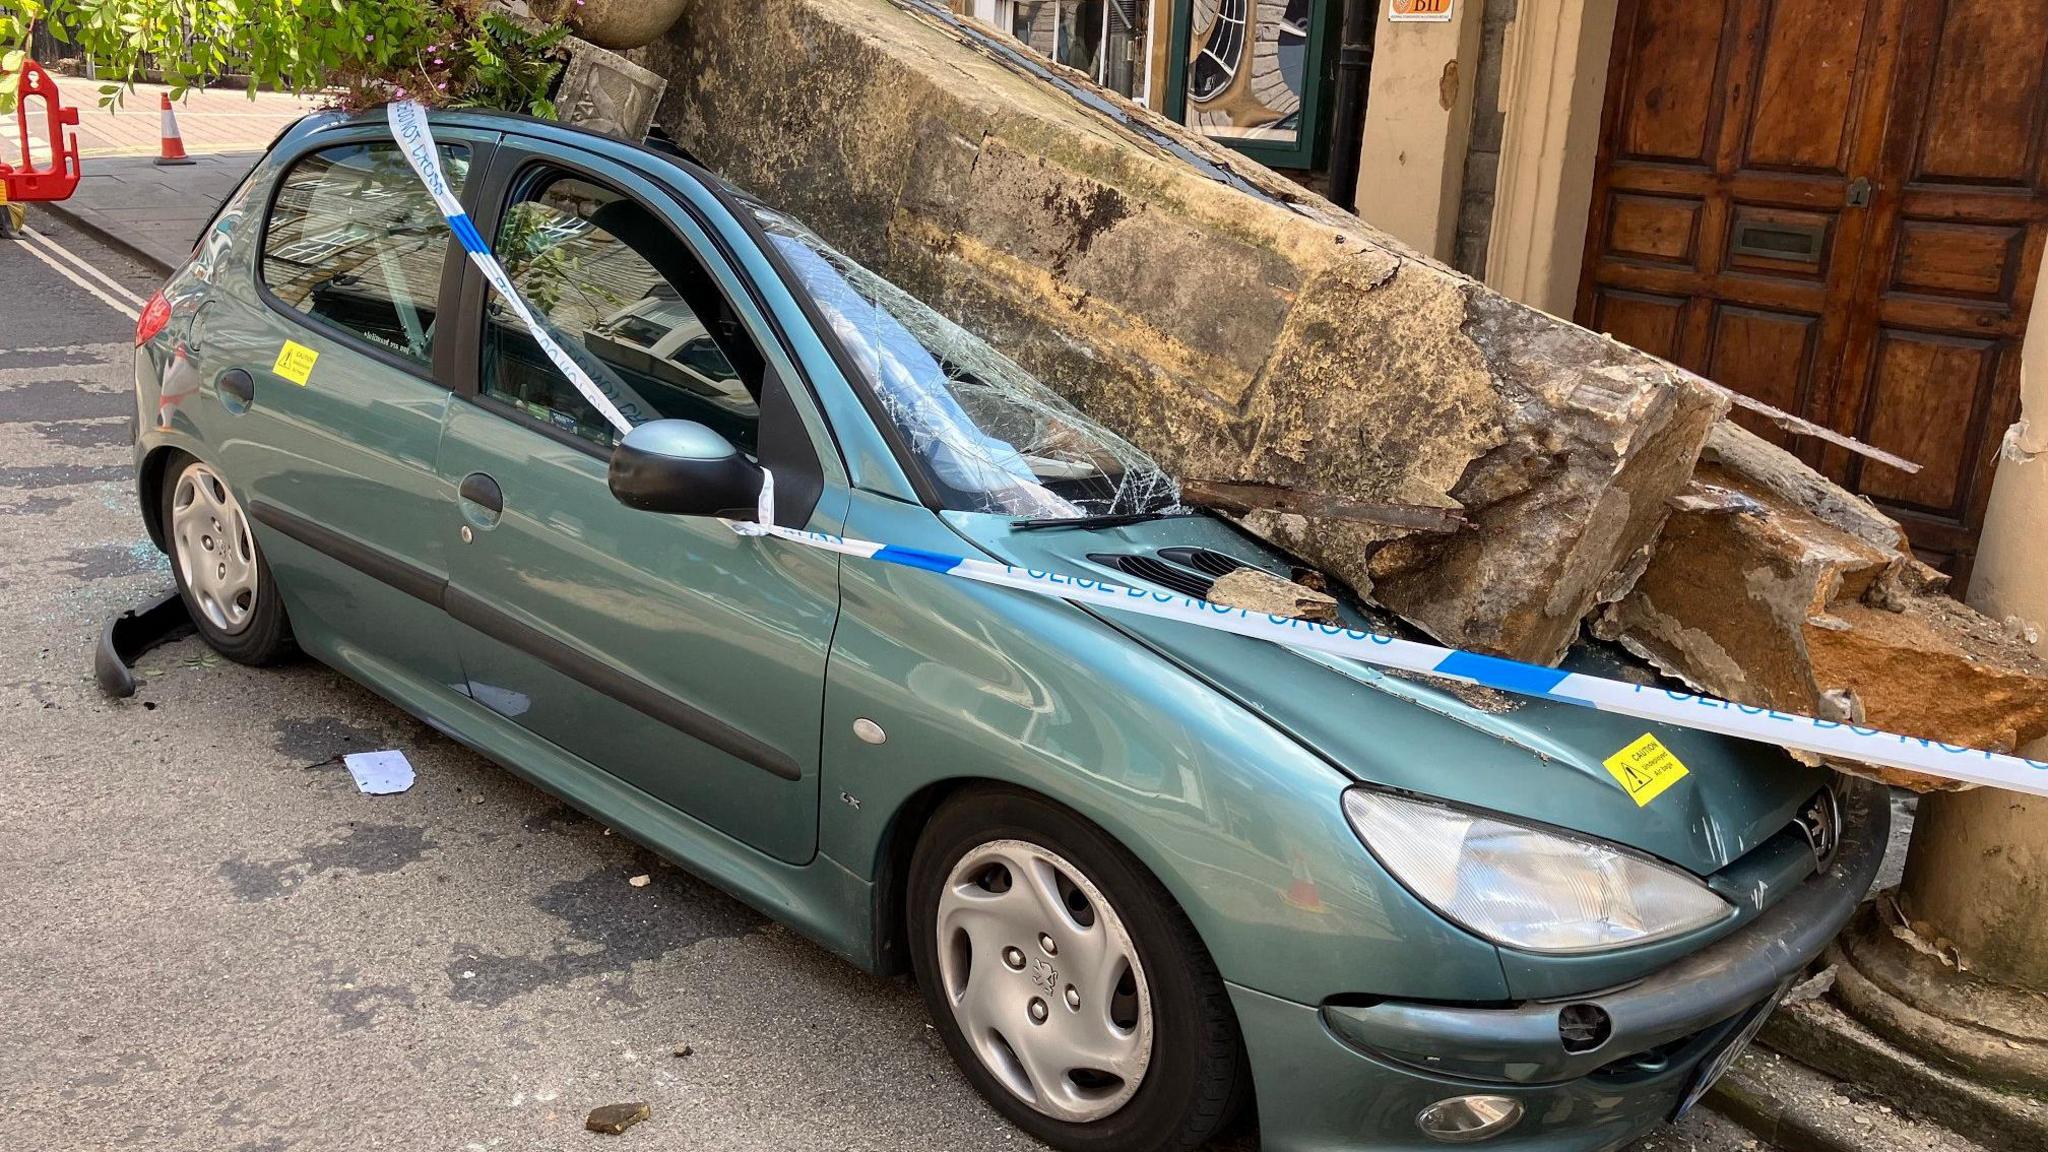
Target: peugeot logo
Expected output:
[1821,820]
[1045,976]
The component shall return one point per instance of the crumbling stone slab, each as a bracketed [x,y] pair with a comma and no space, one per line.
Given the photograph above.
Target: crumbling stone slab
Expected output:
[1258,591]
[1229,323]
[1772,587]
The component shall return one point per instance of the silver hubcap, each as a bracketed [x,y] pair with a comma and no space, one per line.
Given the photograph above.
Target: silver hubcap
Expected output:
[1044,981]
[216,555]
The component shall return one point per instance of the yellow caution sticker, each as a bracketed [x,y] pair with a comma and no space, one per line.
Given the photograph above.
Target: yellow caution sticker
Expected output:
[1645,769]
[295,362]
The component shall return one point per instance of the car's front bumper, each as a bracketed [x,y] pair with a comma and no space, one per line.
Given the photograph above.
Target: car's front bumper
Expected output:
[1351,1076]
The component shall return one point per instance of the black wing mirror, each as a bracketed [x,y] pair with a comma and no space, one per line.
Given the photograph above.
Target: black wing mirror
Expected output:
[685,469]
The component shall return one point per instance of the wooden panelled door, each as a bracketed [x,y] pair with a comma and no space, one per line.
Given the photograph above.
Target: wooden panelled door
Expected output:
[1838,207]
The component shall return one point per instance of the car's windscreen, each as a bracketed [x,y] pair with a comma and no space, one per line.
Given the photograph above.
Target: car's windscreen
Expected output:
[988,433]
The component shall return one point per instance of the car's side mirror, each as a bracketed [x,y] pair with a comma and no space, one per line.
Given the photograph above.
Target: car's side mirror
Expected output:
[685,469]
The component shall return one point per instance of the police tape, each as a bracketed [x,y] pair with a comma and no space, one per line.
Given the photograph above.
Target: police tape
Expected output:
[408,122]
[1658,705]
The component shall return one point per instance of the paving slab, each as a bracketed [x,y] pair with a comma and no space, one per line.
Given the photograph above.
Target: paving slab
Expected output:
[152,213]
[210,121]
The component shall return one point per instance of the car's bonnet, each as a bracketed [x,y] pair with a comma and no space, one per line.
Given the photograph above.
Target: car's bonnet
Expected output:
[1536,759]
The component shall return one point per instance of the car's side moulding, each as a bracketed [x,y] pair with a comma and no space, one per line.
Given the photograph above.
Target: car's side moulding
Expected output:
[486,618]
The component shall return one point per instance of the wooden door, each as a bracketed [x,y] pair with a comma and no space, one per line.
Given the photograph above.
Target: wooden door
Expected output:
[1837,207]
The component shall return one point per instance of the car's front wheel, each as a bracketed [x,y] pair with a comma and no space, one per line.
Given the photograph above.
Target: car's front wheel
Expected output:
[221,572]
[1068,986]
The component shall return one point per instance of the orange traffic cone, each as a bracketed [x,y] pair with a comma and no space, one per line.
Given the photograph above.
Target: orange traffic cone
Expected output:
[172,149]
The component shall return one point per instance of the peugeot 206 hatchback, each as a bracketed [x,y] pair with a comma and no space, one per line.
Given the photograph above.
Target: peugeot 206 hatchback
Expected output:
[1146,874]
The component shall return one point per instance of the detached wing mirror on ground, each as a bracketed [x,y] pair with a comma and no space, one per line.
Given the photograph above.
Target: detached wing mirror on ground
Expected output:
[683,468]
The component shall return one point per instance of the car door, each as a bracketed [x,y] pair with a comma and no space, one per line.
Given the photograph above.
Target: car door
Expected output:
[670,651]
[323,347]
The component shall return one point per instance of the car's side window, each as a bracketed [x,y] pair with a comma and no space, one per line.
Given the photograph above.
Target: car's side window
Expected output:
[629,302]
[353,240]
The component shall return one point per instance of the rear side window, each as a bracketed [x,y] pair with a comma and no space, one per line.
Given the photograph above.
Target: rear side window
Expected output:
[354,241]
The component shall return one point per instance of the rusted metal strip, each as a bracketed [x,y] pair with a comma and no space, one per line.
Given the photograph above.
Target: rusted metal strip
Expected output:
[1239,497]
[1803,427]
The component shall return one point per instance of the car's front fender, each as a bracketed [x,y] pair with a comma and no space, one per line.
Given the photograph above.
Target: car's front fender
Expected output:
[1240,823]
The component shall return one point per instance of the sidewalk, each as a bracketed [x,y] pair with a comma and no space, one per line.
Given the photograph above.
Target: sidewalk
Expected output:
[211,121]
[155,213]
[152,213]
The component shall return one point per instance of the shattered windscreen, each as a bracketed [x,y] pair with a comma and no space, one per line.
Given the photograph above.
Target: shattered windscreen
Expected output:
[989,434]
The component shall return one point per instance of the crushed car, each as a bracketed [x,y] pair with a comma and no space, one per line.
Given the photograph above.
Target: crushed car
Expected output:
[1147,875]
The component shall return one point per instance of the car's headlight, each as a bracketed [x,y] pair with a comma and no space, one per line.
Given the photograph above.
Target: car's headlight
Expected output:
[1526,888]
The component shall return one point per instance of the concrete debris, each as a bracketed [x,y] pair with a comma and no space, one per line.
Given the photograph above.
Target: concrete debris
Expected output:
[1257,590]
[1238,329]
[1812,988]
[1810,604]
[1493,475]
[2019,445]
[613,1119]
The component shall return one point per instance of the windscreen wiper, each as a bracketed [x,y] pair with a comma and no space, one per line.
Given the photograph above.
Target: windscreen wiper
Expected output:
[1106,520]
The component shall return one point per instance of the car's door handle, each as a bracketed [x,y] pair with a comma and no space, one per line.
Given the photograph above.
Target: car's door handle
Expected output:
[482,500]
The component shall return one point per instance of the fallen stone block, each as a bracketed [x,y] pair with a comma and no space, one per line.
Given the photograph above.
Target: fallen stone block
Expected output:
[1231,324]
[1772,587]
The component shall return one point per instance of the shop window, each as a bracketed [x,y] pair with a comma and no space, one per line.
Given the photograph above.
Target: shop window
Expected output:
[1106,39]
[1255,74]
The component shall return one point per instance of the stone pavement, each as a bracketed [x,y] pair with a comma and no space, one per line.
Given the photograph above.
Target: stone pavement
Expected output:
[153,214]
[210,121]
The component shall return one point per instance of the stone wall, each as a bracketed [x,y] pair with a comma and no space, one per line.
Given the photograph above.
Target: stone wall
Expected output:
[1215,314]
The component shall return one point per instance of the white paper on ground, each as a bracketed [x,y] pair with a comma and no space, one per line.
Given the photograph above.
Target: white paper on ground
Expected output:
[379,773]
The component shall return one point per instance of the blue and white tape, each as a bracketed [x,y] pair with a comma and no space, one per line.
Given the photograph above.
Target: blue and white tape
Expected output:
[1679,709]
[408,122]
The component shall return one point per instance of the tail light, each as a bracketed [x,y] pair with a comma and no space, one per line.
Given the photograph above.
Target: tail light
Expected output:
[155,315]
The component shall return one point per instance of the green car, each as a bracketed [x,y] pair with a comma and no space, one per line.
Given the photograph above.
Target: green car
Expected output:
[1147,875]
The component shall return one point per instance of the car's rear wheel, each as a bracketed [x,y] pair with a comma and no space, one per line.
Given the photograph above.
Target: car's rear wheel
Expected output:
[1068,986]
[221,572]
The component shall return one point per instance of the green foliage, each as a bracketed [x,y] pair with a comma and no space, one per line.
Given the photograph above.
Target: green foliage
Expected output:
[456,52]
[512,65]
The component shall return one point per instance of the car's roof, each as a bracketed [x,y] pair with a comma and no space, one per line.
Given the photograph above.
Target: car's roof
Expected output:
[533,128]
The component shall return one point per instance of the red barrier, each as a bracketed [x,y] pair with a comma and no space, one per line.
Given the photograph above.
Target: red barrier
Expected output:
[59,179]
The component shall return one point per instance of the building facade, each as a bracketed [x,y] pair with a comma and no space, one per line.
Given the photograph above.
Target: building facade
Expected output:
[1838,207]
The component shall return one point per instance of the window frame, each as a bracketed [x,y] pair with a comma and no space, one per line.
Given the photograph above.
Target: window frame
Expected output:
[1311,147]
[512,179]
[441,367]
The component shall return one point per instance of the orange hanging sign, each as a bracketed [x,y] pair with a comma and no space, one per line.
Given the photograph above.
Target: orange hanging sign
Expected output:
[1420,10]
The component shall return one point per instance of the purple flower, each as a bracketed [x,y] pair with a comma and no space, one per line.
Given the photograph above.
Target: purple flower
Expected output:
[367,38]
